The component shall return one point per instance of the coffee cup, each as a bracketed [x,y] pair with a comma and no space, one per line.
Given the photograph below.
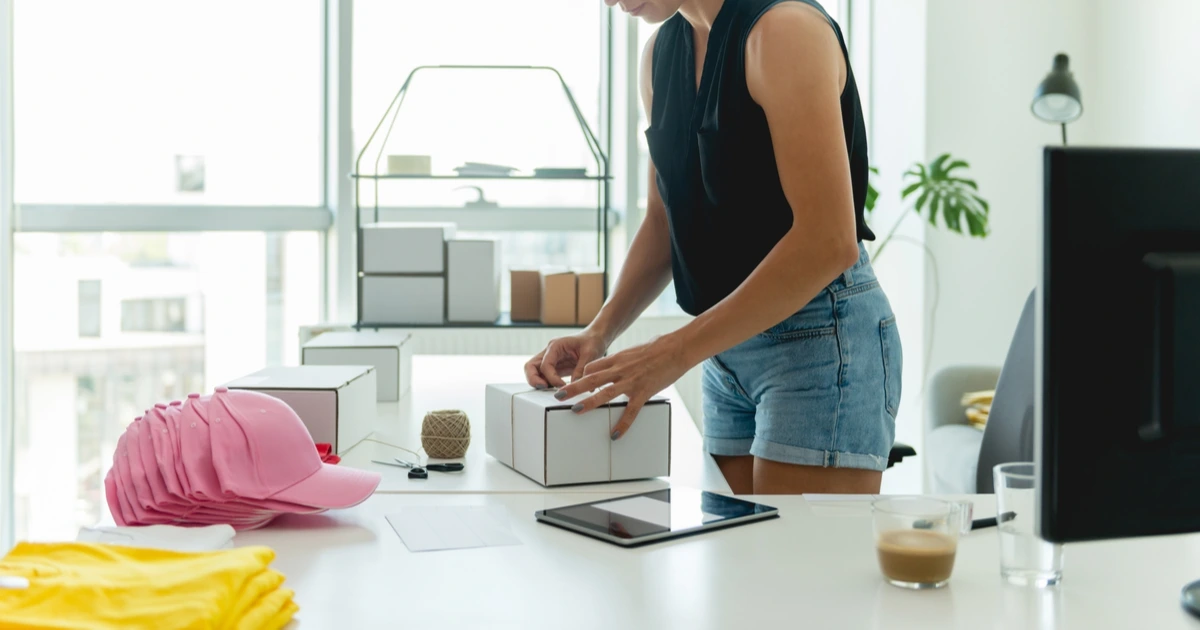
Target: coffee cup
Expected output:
[916,540]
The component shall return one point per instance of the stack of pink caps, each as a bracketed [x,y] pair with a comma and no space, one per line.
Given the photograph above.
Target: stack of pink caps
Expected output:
[235,457]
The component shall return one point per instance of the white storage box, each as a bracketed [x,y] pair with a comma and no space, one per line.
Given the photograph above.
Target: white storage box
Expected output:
[336,403]
[473,281]
[403,299]
[541,437]
[389,351]
[395,247]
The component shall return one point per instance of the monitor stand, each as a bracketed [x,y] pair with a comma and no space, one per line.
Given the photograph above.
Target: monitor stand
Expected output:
[1191,598]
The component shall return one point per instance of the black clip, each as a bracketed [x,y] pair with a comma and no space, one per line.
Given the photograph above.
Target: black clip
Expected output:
[418,473]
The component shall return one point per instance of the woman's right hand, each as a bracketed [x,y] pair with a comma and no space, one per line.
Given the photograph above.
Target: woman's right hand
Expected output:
[565,356]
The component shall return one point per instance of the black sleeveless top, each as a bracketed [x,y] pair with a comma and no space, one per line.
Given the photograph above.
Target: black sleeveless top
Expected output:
[715,160]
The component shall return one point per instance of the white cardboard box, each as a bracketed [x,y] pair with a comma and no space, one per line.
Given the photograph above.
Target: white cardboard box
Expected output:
[336,403]
[403,299]
[541,437]
[395,247]
[389,351]
[473,281]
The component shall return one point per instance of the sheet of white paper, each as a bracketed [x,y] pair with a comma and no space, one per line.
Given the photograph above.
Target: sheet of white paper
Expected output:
[436,528]
[840,498]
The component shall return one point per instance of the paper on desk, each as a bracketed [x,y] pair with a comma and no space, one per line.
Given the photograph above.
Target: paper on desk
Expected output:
[437,528]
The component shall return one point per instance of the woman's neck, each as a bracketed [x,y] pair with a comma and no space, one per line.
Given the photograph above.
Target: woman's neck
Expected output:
[701,13]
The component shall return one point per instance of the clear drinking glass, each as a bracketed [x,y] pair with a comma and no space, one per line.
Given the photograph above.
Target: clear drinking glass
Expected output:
[1025,559]
[916,540]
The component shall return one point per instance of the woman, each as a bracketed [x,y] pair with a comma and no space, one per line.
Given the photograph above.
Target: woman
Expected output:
[757,181]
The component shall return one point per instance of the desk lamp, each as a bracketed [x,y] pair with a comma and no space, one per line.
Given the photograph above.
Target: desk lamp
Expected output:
[1056,99]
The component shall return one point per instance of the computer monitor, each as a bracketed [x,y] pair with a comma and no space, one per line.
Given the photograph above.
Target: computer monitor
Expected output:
[1119,332]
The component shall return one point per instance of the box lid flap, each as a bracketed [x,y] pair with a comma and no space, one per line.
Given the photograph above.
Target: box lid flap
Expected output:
[302,377]
[360,339]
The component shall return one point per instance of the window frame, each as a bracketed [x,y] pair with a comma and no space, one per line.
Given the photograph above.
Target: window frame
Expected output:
[7,218]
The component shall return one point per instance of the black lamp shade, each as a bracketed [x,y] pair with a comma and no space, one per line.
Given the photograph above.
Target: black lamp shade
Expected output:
[1057,99]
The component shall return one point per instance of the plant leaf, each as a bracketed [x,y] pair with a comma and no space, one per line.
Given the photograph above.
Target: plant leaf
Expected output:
[933,208]
[936,169]
[956,164]
[964,182]
[921,200]
[914,187]
[952,213]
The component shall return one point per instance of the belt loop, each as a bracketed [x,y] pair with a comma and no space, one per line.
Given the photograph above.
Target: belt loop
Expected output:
[848,278]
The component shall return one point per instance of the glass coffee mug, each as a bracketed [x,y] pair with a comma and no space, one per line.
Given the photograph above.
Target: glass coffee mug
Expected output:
[916,539]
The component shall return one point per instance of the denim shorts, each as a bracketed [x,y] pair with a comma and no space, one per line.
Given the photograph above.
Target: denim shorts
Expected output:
[820,388]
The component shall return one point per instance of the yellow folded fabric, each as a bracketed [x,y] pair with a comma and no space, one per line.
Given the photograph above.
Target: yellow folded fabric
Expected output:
[86,585]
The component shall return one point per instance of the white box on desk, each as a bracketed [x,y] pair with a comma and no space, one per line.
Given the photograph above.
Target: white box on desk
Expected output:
[540,437]
[403,299]
[473,281]
[389,351]
[397,247]
[336,403]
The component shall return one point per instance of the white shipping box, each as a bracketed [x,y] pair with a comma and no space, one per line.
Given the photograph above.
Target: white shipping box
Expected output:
[473,281]
[396,247]
[541,438]
[389,351]
[336,403]
[403,299]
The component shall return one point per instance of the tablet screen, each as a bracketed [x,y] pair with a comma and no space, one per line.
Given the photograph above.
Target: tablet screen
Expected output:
[660,512]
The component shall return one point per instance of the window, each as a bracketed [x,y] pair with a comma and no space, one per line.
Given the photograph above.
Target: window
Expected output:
[514,118]
[89,308]
[151,102]
[155,315]
[75,394]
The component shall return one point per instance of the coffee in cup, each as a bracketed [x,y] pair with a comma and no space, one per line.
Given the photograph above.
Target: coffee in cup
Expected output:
[916,556]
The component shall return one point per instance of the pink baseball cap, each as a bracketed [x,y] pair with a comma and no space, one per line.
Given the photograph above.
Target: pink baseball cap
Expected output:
[262,450]
[197,456]
[149,460]
[131,505]
[110,495]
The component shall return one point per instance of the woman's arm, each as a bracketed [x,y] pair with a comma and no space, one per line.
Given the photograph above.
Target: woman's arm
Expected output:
[646,272]
[647,268]
[795,71]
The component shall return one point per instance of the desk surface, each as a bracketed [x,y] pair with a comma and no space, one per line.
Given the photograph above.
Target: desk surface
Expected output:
[459,383]
[814,567]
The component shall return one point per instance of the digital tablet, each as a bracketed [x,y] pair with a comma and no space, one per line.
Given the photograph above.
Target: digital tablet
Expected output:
[655,516]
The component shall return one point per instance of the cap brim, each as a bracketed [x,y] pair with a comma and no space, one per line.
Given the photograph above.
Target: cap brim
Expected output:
[332,487]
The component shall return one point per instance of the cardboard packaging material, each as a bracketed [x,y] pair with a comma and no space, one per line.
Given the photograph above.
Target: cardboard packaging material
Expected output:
[409,165]
[473,281]
[541,438]
[388,351]
[558,297]
[526,290]
[403,299]
[589,289]
[396,247]
[336,403]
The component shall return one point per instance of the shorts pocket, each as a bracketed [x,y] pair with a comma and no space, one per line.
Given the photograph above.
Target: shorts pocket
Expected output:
[893,364]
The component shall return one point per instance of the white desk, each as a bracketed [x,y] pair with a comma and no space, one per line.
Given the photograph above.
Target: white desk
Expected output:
[808,569]
[459,383]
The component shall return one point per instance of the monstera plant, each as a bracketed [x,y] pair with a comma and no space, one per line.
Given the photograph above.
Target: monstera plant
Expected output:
[937,189]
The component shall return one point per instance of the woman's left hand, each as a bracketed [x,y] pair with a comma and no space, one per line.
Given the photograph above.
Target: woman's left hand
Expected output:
[639,373]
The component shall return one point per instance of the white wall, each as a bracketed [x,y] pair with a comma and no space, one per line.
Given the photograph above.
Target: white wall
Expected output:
[1148,88]
[984,60]
[896,113]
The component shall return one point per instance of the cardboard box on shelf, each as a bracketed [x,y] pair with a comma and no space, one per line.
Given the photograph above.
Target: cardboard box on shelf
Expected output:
[589,289]
[336,403]
[473,280]
[396,247]
[389,351]
[403,300]
[540,437]
[558,296]
[409,165]
[526,295]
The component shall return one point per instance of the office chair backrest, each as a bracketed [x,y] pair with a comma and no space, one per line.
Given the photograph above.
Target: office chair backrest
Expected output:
[1010,426]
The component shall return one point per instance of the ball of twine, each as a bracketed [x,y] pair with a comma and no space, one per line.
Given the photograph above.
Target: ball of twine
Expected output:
[445,434]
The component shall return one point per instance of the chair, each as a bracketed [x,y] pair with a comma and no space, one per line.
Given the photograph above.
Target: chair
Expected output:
[960,458]
[952,446]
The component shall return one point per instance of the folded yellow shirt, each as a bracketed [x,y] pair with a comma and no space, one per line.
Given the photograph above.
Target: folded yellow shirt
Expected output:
[85,585]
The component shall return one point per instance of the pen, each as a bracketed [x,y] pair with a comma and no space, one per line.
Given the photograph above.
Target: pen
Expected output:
[983,523]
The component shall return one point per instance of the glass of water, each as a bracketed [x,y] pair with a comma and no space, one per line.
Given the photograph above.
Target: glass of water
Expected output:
[1025,559]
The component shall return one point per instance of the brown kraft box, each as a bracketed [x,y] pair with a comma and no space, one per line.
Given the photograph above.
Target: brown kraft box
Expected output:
[526,295]
[558,297]
[589,287]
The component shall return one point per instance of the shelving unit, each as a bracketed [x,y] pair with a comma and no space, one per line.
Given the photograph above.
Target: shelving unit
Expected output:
[602,180]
